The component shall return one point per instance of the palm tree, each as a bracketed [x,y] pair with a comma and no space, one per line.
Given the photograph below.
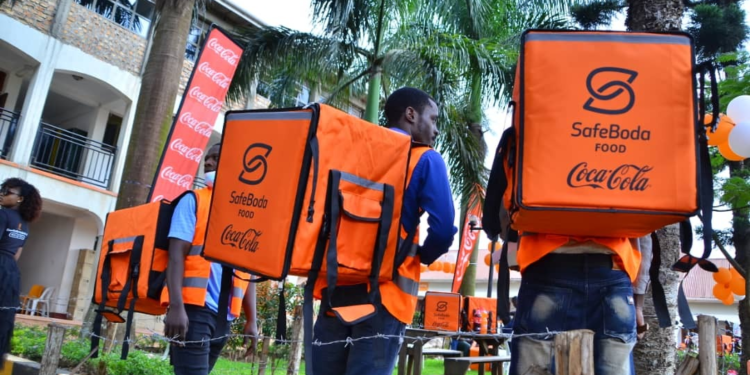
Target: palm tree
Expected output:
[159,87]
[461,52]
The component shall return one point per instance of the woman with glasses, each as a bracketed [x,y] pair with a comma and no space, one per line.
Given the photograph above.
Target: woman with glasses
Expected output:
[21,204]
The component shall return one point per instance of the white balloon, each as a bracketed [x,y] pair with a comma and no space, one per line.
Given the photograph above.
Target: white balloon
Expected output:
[739,109]
[739,139]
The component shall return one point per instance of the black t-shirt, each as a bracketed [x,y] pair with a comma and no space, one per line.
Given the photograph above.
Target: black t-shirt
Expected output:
[14,231]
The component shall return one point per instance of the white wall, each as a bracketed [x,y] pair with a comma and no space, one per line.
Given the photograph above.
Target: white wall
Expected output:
[83,237]
[45,252]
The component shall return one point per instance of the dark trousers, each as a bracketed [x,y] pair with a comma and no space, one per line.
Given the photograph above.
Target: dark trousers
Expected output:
[199,356]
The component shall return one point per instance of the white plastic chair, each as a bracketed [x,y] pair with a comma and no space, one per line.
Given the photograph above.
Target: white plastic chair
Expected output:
[42,303]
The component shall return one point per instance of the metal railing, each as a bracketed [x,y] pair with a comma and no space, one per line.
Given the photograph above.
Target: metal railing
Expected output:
[8,126]
[71,155]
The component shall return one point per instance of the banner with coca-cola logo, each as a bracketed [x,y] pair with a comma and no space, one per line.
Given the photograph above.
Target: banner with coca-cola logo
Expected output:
[468,240]
[194,122]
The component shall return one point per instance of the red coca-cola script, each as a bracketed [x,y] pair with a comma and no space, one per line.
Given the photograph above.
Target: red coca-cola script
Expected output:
[201,104]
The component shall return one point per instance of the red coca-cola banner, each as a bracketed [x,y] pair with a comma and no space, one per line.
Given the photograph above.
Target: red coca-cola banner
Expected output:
[194,122]
[468,240]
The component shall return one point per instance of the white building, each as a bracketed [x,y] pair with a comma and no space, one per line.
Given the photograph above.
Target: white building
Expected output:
[70,75]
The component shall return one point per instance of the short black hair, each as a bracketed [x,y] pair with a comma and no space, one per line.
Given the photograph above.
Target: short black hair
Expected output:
[405,97]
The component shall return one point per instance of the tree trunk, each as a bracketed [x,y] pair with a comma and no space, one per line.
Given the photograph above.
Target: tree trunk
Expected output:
[741,241]
[159,86]
[474,117]
[373,97]
[155,109]
[656,352]
[655,15]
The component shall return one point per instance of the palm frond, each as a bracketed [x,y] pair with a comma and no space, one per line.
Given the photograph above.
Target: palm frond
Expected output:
[303,55]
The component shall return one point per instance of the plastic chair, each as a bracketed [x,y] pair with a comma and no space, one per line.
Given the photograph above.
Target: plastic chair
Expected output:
[42,302]
[35,292]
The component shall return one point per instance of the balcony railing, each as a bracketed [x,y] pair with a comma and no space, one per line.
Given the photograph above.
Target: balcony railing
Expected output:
[68,154]
[8,126]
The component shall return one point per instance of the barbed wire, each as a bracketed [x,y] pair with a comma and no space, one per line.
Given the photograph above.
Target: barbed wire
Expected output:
[155,336]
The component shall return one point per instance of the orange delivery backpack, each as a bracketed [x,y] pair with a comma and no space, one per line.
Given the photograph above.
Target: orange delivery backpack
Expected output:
[442,311]
[132,264]
[311,192]
[131,273]
[607,140]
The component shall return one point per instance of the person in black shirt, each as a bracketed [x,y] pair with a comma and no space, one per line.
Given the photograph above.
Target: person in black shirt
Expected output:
[21,204]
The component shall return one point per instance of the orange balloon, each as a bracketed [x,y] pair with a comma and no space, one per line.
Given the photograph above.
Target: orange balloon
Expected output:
[721,292]
[487,259]
[436,266]
[723,276]
[446,267]
[707,119]
[453,267]
[498,246]
[737,285]
[734,272]
[422,268]
[726,151]
[729,300]
[721,135]
[497,268]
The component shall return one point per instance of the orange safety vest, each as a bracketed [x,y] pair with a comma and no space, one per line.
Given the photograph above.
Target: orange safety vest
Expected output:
[532,247]
[198,269]
[400,296]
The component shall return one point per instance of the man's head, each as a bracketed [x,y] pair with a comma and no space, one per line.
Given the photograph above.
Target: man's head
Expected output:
[415,112]
[211,160]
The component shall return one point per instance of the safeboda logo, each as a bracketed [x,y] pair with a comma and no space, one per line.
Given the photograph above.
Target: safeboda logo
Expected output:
[442,306]
[615,83]
[255,164]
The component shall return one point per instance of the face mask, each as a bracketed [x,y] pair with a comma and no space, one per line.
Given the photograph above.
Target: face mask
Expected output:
[209,178]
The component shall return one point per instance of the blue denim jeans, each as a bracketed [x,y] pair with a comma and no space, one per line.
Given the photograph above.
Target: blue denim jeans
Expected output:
[199,358]
[375,356]
[574,292]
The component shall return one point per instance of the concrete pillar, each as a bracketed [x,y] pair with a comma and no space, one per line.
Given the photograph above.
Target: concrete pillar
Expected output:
[122,147]
[33,105]
[13,88]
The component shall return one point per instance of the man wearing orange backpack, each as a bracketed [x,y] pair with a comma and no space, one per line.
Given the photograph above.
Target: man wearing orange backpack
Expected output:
[413,112]
[574,283]
[194,286]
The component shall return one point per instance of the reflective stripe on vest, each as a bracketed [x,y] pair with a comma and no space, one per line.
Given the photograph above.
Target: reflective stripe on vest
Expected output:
[400,296]
[198,269]
[532,247]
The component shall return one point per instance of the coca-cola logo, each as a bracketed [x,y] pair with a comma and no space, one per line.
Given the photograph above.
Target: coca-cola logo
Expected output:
[243,240]
[226,54]
[611,80]
[624,177]
[182,180]
[255,164]
[201,127]
[191,153]
[218,78]
[208,101]
[157,198]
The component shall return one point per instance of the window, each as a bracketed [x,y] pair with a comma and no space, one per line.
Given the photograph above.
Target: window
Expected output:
[134,15]
[195,38]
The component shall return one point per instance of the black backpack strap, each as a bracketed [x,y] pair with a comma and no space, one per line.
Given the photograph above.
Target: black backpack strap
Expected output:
[496,186]
[135,271]
[105,280]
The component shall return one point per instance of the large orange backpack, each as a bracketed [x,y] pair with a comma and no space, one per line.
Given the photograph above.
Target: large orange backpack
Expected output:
[132,264]
[311,192]
[606,140]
